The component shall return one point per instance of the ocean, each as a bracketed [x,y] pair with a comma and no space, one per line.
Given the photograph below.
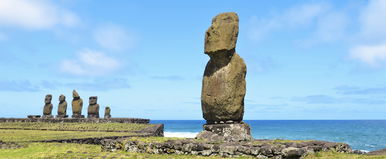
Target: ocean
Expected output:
[367,135]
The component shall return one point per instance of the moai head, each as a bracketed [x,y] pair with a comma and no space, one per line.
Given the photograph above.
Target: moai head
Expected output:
[93,100]
[62,98]
[48,99]
[75,94]
[222,34]
[107,110]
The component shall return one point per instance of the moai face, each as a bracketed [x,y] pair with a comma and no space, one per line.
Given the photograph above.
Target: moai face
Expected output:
[62,98]
[48,99]
[93,100]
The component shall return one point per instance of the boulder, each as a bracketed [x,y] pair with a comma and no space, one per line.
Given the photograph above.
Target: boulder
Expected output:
[226,132]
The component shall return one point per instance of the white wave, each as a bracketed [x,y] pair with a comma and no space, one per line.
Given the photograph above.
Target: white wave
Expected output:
[181,134]
[364,151]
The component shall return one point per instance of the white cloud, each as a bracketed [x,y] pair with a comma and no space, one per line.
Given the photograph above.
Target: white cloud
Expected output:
[373,21]
[370,47]
[372,55]
[298,16]
[90,62]
[113,37]
[330,27]
[34,14]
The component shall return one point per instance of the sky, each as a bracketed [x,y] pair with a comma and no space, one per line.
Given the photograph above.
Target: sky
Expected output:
[314,59]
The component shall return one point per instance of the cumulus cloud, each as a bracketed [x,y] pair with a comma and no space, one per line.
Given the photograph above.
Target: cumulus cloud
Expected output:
[372,19]
[37,14]
[90,62]
[113,37]
[301,15]
[370,48]
[371,55]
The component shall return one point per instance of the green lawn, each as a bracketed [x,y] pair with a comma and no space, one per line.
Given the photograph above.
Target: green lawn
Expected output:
[61,150]
[336,155]
[74,126]
[39,135]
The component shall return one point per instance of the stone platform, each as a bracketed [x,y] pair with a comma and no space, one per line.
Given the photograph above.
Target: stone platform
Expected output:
[284,149]
[78,120]
[234,132]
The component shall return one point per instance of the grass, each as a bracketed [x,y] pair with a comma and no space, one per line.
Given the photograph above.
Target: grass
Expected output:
[74,126]
[62,150]
[38,135]
[337,155]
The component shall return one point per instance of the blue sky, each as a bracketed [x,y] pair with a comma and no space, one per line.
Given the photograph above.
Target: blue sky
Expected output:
[305,59]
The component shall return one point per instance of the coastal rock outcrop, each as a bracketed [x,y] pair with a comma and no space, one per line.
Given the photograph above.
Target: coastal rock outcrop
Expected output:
[223,84]
[93,108]
[107,112]
[62,107]
[77,105]
[47,110]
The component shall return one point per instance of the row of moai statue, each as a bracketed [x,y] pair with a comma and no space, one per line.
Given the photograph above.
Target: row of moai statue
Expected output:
[77,105]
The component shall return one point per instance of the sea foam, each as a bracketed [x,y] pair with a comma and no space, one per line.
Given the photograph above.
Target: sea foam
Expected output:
[181,134]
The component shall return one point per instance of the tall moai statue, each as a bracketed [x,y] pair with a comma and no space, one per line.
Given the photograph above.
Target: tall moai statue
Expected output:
[93,108]
[77,105]
[107,112]
[223,84]
[47,110]
[62,107]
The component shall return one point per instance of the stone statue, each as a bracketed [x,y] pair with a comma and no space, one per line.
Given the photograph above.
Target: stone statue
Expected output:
[47,111]
[62,107]
[223,84]
[107,112]
[77,105]
[93,108]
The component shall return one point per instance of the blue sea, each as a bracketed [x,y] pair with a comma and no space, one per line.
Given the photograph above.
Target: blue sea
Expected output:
[365,135]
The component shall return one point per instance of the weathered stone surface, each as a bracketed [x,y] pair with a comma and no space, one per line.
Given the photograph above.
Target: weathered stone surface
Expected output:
[47,110]
[223,85]
[225,132]
[222,34]
[77,105]
[62,107]
[33,116]
[107,112]
[93,108]
[255,148]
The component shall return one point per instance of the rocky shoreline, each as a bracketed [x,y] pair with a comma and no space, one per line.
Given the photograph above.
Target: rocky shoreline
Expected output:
[256,148]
